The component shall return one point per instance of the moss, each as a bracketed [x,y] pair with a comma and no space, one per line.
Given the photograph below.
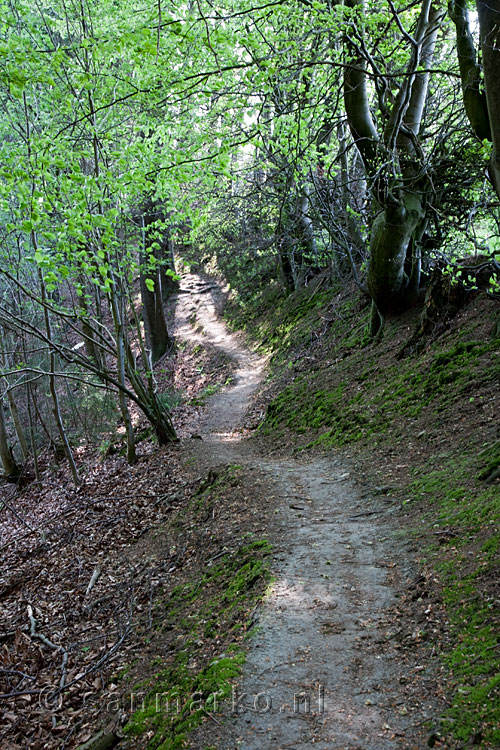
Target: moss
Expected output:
[405,388]
[279,322]
[473,657]
[182,699]
[178,697]
[490,460]
[476,713]
[303,410]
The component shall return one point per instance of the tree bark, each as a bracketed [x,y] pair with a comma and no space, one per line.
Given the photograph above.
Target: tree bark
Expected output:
[155,325]
[56,409]
[489,33]
[10,468]
[391,161]
[473,94]
[121,368]
[14,413]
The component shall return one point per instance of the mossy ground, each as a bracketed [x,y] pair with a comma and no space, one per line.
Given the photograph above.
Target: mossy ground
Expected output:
[465,517]
[179,697]
[200,622]
[429,423]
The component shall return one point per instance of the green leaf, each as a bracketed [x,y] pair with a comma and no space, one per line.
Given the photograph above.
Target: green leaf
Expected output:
[150,285]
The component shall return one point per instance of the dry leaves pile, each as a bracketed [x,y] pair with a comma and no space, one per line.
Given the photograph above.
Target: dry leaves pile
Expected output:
[72,594]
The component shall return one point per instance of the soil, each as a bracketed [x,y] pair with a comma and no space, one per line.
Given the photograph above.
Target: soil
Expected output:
[340,658]
[326,666]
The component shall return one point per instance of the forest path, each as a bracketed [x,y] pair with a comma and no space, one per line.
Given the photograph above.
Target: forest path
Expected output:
[197,320]
[324,669]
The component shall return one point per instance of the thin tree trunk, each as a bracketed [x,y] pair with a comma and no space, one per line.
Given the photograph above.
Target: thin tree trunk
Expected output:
[56,409]
[91,348]
[34,450]
[11,470]
[129,429]
[118,319]
[155,325]
[14,412]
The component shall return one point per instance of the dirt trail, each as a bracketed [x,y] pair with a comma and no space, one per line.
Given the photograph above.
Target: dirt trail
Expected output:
[324,669]
[197,320]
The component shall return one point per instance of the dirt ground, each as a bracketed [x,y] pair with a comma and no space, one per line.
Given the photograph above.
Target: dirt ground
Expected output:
[325,668]
[338,661]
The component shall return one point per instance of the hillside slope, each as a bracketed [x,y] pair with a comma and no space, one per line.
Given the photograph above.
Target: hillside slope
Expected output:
[418,416]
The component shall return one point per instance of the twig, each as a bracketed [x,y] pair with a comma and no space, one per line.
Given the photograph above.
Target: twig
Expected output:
[150,606]
[16,671]
[489,648]
[62,681]
[97,665]
[17,515]
[216,557]
[93,580]
[39,636]
[15,693]
[365,513]
[211,716]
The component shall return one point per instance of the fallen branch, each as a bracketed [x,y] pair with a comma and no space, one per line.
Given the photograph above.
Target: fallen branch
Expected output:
[17,515]
[97,665]
[93,580]
[47,642]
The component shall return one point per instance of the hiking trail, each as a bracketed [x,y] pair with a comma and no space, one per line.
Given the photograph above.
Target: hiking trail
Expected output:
[324,668]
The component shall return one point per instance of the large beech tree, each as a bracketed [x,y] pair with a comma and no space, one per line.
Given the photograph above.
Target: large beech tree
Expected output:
[480,89]
[391,151]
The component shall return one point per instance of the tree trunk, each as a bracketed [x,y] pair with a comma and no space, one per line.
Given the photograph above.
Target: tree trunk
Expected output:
[10,468]
[392,231]
[56,410]
[400,199]
[489,32]
[155,325]
[470,71]
[129,429]
[91,347]
[29,398]
[168,284]
[153,314]
[121,367]
[14,412]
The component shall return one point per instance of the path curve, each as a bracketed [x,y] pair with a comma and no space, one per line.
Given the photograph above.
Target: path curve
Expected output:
[324,670]
[197,320]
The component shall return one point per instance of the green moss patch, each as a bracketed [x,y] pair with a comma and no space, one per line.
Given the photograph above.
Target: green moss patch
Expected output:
[209,608]
[466,516]
[357,402]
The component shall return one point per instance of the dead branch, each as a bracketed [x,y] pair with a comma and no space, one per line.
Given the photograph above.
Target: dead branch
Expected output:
[93,580]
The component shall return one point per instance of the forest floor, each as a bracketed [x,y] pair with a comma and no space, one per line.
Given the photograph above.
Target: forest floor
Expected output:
[324,667]
[283,589]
